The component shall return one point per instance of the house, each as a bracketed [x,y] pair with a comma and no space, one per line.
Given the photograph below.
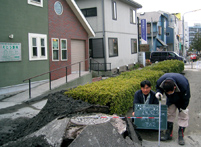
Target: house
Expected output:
[69,34]
[38,36]
[156,29]
[172,33]
[114,22]
[24,50]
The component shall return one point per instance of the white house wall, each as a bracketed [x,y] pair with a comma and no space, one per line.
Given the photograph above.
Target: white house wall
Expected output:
[124,50]
[121,29]
[95,22]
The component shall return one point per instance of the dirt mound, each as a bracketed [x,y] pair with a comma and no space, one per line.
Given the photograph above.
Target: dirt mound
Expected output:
[58,105]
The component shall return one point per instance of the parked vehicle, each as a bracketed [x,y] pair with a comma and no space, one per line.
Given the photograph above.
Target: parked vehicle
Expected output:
[158,56]
[193,57]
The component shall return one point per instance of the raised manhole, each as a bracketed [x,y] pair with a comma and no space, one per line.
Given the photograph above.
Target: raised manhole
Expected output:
[90,119]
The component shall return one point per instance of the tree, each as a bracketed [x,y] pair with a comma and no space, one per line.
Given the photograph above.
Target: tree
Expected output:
[196,42]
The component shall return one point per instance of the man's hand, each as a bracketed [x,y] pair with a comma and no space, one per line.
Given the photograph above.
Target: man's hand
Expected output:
[185,111]
[133,113]
[158,95]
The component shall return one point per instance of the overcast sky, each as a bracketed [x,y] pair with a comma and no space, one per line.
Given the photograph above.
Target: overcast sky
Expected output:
[174,6]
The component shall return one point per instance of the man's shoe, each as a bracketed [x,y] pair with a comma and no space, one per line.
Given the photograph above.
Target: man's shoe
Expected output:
[166,136]
[168,132]
[181,136]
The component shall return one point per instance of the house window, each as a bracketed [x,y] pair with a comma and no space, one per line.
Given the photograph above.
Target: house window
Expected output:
[55,49]
[43,52]
[114,10]
[89,12]
[58,8]
[159,30]
[64,56]
[113,47]
[167,34]
[148,28]
[96,48]
[36,2]
[37,46]
[133,46]
[132,16]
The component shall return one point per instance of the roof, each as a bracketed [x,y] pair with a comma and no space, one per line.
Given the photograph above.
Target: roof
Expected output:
[81,17]
[132,3]
[150,15]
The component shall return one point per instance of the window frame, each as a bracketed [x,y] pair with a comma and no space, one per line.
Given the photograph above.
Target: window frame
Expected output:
[114,10]
[55,10]
[133,51]
[114,55]
[84,12]
[149,28]
[132,18]
[54,49]
[33,2]
[167,34]
[39,55]
[159,30]
[94,51]
[64,49]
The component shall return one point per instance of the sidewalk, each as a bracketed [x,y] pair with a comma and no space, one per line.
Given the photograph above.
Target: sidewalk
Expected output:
[193,65]
[43,89]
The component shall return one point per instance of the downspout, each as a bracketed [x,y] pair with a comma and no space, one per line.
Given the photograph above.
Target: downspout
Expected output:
[138,31]
[104,45]
[152,39]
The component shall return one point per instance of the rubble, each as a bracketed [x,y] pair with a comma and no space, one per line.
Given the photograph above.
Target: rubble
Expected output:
[63,121]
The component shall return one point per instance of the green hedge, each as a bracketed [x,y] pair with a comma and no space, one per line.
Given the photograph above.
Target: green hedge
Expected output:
[168,66]
[118,92]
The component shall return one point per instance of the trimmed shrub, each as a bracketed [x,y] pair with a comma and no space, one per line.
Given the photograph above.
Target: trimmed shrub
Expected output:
[168,66]
[118,92]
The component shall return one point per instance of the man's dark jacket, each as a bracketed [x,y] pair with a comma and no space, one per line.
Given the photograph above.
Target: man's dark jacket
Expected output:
[181,96]
[138,98]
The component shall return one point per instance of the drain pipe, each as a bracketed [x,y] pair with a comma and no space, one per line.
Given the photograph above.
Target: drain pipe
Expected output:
[104,45]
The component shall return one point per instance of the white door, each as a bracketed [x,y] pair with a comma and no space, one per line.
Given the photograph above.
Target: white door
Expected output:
[77,55]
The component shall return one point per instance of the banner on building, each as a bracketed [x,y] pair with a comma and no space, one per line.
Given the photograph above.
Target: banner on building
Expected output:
[143,31]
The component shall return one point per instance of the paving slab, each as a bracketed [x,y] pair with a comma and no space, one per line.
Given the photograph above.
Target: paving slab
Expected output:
[53,132]
[101,135]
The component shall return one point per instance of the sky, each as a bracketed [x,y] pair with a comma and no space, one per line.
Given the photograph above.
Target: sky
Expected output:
[174,6]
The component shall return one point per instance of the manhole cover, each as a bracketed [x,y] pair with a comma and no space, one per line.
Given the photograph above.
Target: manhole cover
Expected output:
[90,119]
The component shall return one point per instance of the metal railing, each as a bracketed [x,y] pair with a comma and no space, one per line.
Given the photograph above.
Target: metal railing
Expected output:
[66,67]
[99,66]
[50,72]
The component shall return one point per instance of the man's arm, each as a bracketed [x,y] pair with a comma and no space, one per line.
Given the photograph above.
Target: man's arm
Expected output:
[137,99]
[186,98]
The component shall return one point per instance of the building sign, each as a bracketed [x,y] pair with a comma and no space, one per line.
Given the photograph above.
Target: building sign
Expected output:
[10,51]
[143,31]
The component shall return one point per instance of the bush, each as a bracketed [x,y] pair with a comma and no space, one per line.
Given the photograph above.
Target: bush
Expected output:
[167,66]
[118,92]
